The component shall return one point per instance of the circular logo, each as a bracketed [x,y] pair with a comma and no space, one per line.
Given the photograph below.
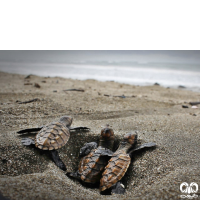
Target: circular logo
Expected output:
[186,188]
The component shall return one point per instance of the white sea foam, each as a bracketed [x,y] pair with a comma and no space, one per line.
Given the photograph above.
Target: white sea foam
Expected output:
[137,75]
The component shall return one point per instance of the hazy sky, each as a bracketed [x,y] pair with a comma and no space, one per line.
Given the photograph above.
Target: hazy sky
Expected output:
[192,57]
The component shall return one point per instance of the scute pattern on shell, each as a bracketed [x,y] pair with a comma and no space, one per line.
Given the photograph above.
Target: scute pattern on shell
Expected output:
[115,170]
[91,167]
[52,136]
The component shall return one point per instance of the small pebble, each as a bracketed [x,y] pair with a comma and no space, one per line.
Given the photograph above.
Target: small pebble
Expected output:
[37,85]
[194,107]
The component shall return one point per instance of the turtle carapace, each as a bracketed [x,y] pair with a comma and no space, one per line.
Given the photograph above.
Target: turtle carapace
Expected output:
[119,163]
[92,165]
[51,137]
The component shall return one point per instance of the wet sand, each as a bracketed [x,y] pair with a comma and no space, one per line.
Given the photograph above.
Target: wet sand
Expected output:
[154,111]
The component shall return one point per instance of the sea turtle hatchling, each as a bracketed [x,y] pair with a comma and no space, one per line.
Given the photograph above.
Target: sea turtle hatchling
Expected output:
[119,163]
[96,158]
[51,137]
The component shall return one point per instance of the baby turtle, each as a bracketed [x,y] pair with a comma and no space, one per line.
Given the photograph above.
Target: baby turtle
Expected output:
[92,165]
[119,163]
[51,137]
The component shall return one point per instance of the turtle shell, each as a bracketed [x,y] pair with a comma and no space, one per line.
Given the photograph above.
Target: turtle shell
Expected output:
[52,136]
[115,170]
[92,166]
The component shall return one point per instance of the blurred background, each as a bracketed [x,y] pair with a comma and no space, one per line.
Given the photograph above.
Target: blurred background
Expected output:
[168,68]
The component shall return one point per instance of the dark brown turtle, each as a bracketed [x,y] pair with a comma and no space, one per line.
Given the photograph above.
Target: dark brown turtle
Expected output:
[51,137]
[119,163]
[92,165]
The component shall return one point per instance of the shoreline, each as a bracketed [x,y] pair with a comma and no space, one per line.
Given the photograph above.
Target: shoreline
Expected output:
[154,111]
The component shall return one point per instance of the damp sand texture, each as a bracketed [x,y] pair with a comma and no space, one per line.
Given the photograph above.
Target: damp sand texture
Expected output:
[154,111]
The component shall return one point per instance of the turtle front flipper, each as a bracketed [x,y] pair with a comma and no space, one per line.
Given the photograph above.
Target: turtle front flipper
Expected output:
[104,152]
[80,128]
[55,157]
[118,188]
[29,130]
[86,149]
[27,141]
[143,146]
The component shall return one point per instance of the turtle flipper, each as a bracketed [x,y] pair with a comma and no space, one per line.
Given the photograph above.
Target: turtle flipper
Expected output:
[55,157]
[145,145]
[104,152]
[86,149]
[27,141]
[118,188]
[80,128]
[75,175]
[29,130]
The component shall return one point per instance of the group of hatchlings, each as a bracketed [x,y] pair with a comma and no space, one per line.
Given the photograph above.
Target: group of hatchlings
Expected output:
[99,164]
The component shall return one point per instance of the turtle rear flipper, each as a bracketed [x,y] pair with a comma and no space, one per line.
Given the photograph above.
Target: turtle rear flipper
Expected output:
[86,149]
[29,130]
[55,157]
[27,141]
[118,188]
[75,175]
[143,146]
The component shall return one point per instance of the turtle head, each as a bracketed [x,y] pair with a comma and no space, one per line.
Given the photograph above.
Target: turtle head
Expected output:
[130,138]
[66,120]
[107,137]
[107,133]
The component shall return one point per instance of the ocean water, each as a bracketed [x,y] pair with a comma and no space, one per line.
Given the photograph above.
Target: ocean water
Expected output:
[167,75]
[168,68]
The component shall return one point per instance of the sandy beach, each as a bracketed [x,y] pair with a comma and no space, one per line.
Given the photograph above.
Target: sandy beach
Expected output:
[154,111]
